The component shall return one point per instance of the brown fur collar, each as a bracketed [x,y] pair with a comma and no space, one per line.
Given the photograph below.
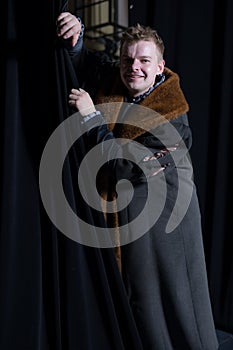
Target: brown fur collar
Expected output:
[166,102]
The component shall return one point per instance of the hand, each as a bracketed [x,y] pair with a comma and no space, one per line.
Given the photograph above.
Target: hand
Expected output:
[82,101]
[68,27]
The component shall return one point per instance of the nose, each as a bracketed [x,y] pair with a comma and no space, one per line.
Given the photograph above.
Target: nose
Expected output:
[135,65]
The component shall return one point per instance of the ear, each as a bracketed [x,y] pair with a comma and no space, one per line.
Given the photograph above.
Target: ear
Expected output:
[160,67]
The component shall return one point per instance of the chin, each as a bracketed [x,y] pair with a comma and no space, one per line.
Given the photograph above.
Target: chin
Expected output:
[133,88]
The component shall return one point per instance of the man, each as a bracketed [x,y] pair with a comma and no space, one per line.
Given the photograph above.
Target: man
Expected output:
[163,271]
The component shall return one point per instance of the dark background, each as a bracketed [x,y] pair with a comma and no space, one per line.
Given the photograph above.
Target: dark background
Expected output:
[198,37]
[52,289]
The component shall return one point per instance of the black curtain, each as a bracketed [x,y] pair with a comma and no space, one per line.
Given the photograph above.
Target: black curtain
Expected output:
[55,294]
[198,37]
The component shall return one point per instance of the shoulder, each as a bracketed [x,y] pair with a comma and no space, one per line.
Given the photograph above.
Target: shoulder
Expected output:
[168,98]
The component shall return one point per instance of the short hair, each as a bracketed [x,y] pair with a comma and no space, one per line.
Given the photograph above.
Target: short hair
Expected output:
[140,32]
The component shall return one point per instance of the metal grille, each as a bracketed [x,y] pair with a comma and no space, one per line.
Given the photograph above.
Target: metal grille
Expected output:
[102,27]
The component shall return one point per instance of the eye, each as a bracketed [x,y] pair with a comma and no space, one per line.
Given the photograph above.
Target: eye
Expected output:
[145,60]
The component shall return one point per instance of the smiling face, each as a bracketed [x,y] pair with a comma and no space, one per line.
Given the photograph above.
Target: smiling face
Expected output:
[140,62]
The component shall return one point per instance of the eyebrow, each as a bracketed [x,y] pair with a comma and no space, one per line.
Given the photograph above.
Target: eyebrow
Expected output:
[139,56]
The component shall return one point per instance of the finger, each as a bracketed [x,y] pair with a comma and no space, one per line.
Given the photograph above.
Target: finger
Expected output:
[75,91]
[73,97]
[75,39]
[67,33]
[69,23]
[63,15]
[82,91]
[68,20]
[70,29]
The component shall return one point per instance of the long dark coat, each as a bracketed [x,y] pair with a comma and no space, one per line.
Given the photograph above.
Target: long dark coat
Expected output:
[164,272]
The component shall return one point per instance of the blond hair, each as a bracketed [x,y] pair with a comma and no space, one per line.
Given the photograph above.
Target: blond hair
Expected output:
[139,32]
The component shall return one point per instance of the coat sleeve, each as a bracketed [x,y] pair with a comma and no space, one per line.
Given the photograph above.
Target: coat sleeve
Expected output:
[147,156]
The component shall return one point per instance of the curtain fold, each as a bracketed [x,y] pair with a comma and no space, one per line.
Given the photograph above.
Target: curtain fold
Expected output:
[55,293]
[198,46]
